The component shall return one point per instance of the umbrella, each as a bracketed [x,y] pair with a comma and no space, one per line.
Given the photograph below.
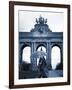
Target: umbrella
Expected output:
[38,54]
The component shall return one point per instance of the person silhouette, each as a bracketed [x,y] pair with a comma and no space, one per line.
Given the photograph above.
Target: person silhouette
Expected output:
[41,66]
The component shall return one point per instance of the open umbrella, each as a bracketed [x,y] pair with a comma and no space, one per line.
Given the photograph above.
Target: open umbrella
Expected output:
[38,54]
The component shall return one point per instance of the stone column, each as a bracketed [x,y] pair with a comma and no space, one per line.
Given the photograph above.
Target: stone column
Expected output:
[61,51]
[33,60]
[49,55]
[20,53]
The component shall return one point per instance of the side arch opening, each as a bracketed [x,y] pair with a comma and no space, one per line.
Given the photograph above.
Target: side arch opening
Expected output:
[26,54]
[55,56]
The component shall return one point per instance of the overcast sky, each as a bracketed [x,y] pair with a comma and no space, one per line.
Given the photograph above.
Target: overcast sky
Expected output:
[26,20]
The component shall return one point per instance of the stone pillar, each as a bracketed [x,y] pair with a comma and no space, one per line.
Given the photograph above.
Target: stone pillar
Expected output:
[33,60]
[49,55]
[61,51]
[20,53]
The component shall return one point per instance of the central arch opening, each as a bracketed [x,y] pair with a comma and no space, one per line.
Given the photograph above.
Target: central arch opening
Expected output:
[41,47]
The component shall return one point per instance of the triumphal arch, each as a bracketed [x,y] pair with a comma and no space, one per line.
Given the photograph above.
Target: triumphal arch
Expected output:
[40,35]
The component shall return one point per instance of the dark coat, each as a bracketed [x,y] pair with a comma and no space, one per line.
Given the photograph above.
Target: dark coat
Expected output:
[41,66]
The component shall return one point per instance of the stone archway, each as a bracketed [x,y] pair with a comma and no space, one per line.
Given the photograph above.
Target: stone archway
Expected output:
[55,56]
[21,47]
[47,45]
[40,35]
[60,46]
[26,54]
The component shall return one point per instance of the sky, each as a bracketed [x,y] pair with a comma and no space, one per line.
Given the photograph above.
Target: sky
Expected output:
[27,20]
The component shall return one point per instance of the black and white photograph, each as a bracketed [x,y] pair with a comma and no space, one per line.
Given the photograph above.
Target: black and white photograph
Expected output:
[40,44]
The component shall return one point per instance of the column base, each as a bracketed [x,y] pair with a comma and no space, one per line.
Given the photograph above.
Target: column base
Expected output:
[59,66]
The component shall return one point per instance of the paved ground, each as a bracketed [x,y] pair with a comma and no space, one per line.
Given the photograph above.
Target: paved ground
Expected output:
[54,73]
[49,73]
